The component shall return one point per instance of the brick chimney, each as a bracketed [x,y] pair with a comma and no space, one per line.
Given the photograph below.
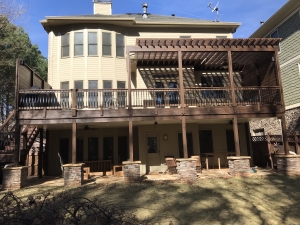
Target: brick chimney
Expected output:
[103,7]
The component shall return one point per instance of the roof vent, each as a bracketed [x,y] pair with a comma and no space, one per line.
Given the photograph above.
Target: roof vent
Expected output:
[145,14]
[173,15]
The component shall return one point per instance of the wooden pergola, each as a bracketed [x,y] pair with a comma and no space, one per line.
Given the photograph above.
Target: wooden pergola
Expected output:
[205,54]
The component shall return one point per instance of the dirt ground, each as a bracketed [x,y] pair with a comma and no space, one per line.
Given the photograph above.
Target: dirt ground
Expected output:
[270,199]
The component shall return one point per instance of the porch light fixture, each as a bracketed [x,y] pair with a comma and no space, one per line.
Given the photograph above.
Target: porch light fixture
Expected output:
[155,124]
[165,137]
[230,122]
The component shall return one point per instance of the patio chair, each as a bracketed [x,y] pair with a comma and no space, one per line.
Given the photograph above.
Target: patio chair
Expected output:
[171,163]
[198,163]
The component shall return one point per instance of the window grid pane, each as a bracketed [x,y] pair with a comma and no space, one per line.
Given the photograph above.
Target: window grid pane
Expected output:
[92,48]
[120,45]
[78,43]
[65,45]
[106,44]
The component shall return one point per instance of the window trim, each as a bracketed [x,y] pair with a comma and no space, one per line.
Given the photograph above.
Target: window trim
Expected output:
[103,44]
[270,36]
[62,46]
[82,44]
[123,46]
[93,44]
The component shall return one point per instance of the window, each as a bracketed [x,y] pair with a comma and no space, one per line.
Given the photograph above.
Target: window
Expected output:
[221,37]
[275,34]
[92,48]
[259,132]
[230,141]
[120,45]
[92,148]
[65,45]
[189,143]
[64,96]
[63,151]
[78,43]
[107,95]
[108,148]
[121,99]
[93,94]
[206,141]
[152,144]
[78,84]
[79,149]
[122,149]
[184,36]
[106,44]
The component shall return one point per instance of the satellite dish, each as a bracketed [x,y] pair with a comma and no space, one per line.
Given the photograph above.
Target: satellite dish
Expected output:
[214,9]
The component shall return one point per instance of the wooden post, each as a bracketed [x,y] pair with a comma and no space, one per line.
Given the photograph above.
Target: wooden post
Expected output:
[129,81]
[236,137]
[74,126]
[184,142]
[269,149]
[17,143]
[41,152]
[130,139]
[277,69]
[46,155]
[230,70]
[74,102]
[182,103]
[296,143]
[284,136]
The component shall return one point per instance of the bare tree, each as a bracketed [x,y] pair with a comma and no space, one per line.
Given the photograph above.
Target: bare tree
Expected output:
[10,10]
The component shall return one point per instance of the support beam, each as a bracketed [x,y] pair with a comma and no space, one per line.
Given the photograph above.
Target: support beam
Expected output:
[184,142]
[41,151]
[182,105]
[230,70]
[284,136]
[46,155]
[236,137]
[17,143]
[74,128]
[130,140]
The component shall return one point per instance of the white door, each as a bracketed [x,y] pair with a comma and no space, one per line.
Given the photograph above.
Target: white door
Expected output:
[153,153]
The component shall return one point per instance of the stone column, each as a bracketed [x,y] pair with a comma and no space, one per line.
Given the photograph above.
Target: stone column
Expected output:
[186,169]
[132,171]
[289,164]
[14,178]
[73,174]
[239,165]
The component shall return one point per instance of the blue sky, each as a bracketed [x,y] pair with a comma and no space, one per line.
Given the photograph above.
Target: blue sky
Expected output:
[248,12]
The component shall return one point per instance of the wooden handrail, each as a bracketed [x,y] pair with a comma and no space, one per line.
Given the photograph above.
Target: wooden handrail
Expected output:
[7,120]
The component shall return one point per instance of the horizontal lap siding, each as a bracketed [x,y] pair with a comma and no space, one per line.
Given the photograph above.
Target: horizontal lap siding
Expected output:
[79,68]
[55,60]
[65,70]
[107,68]
[289,31]
[93,68]
[120,70]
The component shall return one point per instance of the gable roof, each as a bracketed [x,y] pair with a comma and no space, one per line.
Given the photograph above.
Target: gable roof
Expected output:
[285,11]
[136,20]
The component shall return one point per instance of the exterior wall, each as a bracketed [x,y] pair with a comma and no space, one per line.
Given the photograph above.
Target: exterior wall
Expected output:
[56,135]
[289,58]
[273,125]
[105,67]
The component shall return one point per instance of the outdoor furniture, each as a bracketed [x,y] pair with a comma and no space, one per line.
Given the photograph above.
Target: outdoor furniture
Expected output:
[118,170]
[86,173]
[171,163]
[217,154]
[198,163]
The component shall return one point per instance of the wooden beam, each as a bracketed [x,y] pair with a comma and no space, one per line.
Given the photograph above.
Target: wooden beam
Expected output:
[230,69]
[41,152]
[17,143]
[180,79]
[284,135]
[184,142]
[236,137]
[74,128]
[130,140]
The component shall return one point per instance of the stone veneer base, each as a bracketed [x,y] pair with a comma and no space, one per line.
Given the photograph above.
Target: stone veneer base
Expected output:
[132,171]
[239,165]
[289,164]
[73,174]
[186,169]
[14,178]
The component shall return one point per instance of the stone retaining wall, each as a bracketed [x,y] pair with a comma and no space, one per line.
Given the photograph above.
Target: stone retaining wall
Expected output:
[73,174]
[239,166]
[288,163]
[132,171]
[186,169]
[14,178]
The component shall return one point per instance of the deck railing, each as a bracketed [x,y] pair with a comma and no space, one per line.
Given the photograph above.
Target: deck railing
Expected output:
[147,98]
[98,166]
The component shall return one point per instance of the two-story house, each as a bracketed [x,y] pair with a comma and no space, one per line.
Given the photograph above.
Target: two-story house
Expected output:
[284,24]
[139,86]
